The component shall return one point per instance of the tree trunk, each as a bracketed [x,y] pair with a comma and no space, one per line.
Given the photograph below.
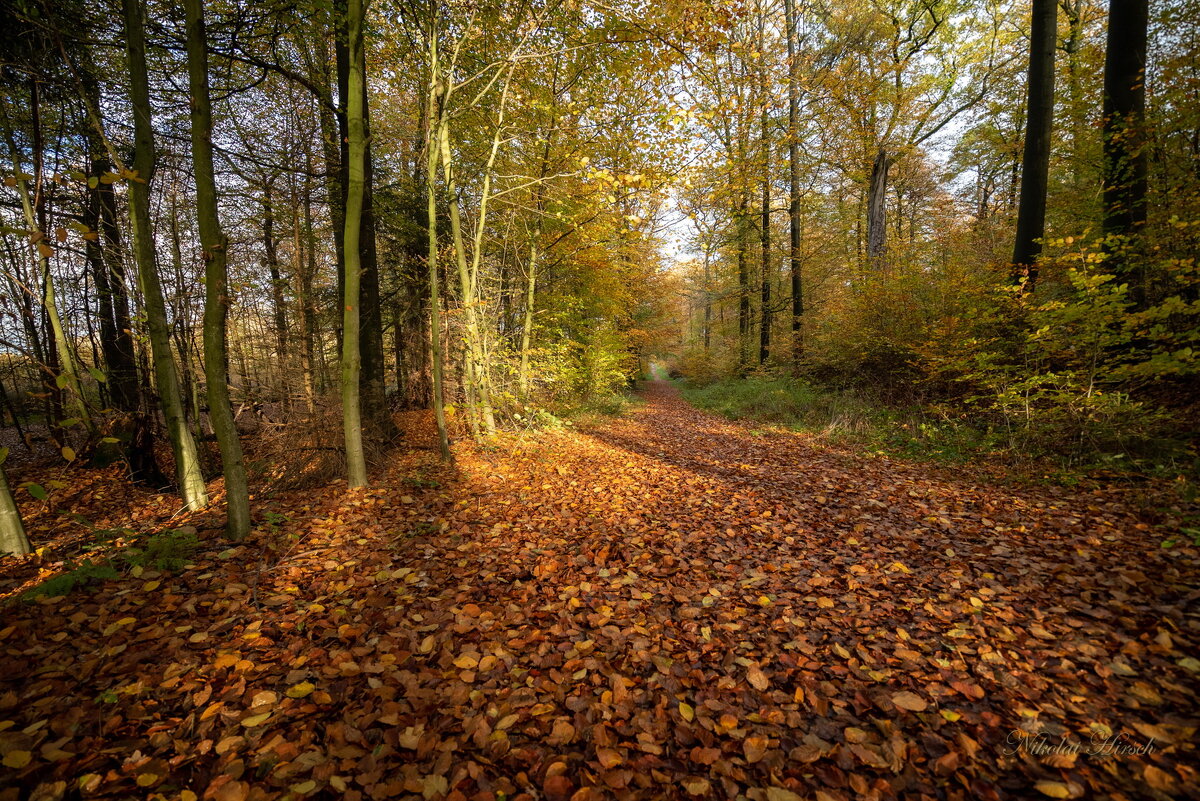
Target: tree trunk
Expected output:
[794,257]
[278,301]
[877,212]
[12,530]
[1039,122]
[34,209]
[1125,170]
[214,247]
[433,119]
[372,381]
[356,465]
[764,332]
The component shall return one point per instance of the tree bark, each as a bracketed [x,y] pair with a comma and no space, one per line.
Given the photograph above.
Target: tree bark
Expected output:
[433,119]
[1125,167]
[214,247]
[12,530]
[356,466]
[1039,123]
[794,256]
[877,212]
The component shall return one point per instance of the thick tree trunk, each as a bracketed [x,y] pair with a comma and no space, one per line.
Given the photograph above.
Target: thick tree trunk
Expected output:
[356,465]
[877,212]
[1039,122]
[12,530]
[216,296]
[1125,164]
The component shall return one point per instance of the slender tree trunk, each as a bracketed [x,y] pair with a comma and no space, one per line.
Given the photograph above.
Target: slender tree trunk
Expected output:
[216,297]
[794,255]
[278,301]
[34,208]
[743,269]
[356,465]
[12,530]
[1125,165]
[433,119]
[308,312]
[535,252]
[764,332]
[476,384]
[1039,123]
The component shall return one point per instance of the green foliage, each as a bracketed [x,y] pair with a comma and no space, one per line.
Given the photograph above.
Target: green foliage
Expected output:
[82,575]
[846,414]
[169,550]
[1076,371]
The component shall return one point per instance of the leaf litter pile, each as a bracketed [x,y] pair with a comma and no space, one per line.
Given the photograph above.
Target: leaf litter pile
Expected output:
[665,606]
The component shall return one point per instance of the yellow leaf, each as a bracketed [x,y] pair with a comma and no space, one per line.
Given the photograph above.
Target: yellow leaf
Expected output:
[301,690]
[68,454]
[151,586]
[1053,789]
[187,795]
[426,644]
[17,759]
[304,788]
[951,715]
[688,713]
[466,661]
[256,720]
[146,779]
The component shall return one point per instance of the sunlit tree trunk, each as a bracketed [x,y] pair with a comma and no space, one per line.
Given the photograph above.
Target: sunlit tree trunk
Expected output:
[356,465]
[12,530]
[1039,123]
[214,247]
[476,368]
[432,121]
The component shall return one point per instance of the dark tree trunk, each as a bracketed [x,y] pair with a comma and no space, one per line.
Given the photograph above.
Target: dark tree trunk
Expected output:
[794,184]
[372,378]
[278,301]
[1125,140]
[1039,122]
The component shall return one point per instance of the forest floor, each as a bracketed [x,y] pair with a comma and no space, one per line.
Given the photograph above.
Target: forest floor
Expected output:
[666,605]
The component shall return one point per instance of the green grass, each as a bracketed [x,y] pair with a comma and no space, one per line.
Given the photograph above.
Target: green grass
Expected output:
[841,415]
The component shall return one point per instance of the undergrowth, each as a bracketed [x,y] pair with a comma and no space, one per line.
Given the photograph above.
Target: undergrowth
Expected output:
[921,433]
[169,550]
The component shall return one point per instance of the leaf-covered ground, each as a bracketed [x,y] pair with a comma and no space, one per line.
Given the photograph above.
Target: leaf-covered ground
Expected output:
[667,606]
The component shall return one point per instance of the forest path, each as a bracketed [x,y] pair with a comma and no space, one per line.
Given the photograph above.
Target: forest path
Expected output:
[666,605]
